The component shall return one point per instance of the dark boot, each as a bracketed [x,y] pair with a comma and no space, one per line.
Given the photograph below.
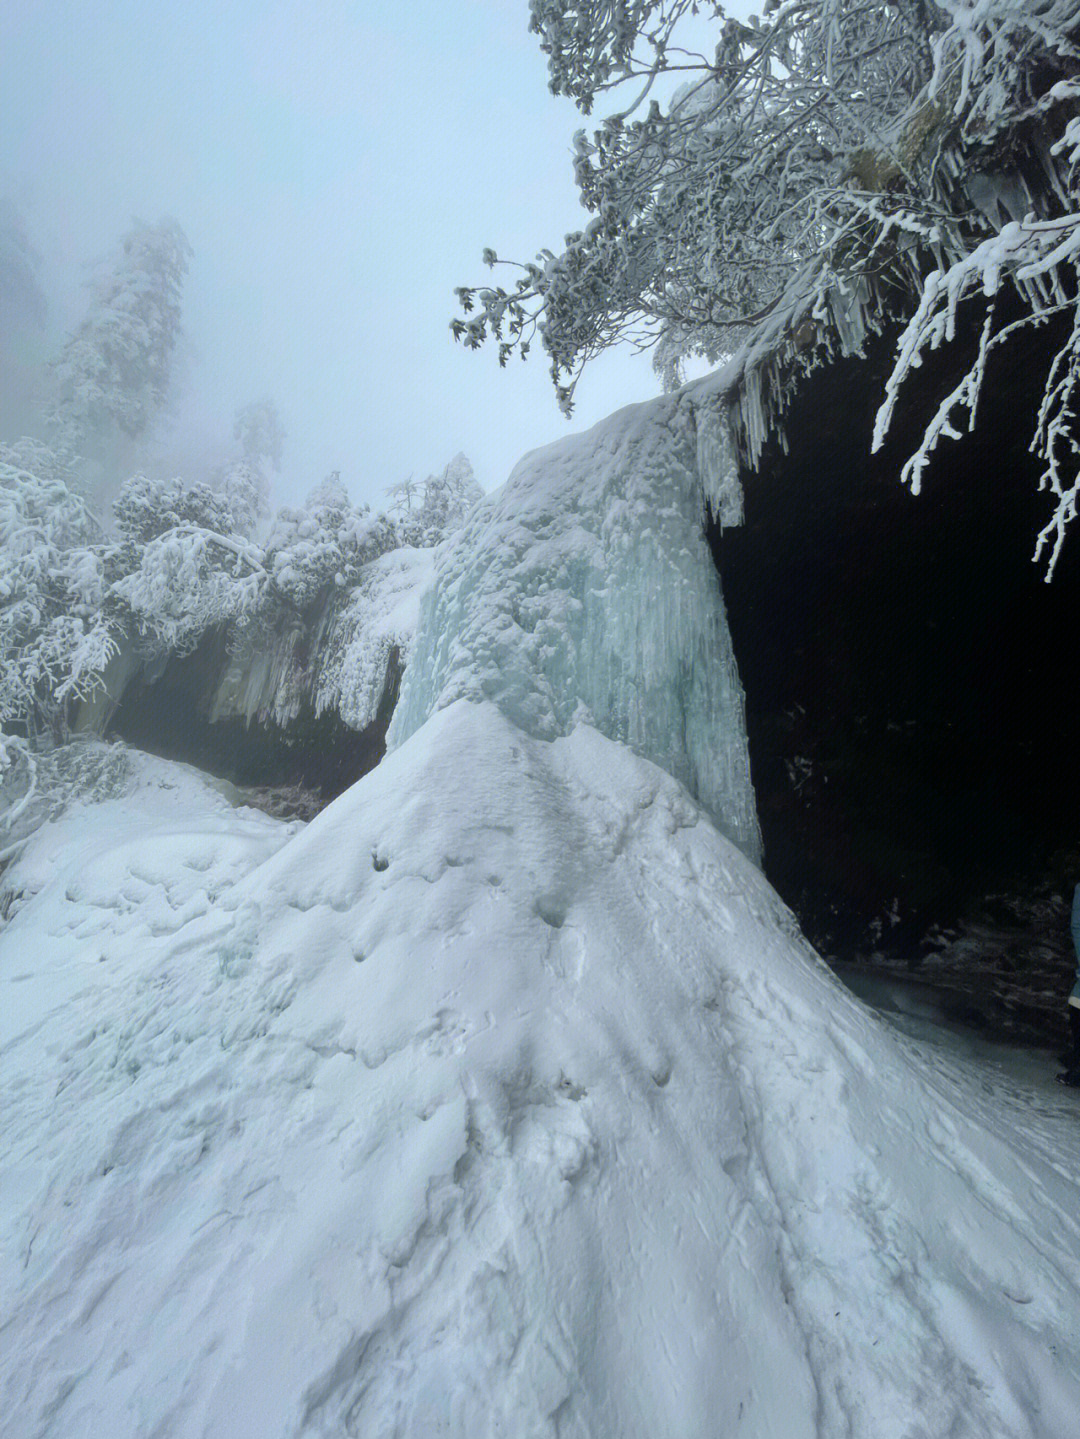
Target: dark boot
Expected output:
[1070,1059]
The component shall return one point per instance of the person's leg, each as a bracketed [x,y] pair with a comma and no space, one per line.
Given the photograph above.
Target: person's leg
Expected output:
[1071,1073]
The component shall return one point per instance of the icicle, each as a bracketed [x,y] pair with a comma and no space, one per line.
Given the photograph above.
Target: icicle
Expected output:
[717,461]
[848,307]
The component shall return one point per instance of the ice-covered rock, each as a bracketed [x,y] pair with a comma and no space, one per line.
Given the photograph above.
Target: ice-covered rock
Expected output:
[370,641]
[584,591]
[343,656]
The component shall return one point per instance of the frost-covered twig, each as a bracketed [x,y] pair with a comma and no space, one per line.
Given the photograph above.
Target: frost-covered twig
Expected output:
[1034,256]
[8,744]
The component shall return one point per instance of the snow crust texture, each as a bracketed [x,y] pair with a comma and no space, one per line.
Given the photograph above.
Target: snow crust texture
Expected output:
[503,1099]
[584,591]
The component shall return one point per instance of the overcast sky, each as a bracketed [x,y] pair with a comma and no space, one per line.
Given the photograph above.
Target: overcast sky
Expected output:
[338,169]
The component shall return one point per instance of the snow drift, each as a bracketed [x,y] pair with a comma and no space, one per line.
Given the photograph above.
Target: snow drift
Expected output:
[504,1099]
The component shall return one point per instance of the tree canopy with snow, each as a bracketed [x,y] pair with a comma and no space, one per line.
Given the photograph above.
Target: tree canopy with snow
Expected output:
[54,639]
[826,158]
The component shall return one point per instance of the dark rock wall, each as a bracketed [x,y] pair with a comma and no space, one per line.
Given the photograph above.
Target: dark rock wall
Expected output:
[911,680]
[168,709]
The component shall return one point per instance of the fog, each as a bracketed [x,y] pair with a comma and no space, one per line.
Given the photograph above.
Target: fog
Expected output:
[337,170]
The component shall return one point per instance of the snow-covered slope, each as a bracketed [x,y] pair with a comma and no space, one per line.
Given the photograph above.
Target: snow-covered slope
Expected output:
[502,1100]
[584,590]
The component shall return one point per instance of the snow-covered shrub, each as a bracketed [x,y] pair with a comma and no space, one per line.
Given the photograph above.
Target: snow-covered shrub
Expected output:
[54,639]
[36,786]
[425,516]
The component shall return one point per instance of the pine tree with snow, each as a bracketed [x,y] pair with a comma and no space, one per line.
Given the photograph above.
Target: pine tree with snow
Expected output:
[259,431]
[113,374]
[244,480]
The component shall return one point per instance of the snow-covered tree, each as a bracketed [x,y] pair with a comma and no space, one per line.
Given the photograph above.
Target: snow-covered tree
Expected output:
[184,568]
[404,496]
[829,158]
[427,514]
[146,509]
[54,638]
[259,431]
[112,376]
[244,479]
[246,491]
[325,544]
[179,568]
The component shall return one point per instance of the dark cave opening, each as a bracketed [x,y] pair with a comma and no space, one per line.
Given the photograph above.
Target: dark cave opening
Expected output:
[167,713]
[910,678]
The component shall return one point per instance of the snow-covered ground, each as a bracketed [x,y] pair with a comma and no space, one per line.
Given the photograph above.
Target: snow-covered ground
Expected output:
[503,1099]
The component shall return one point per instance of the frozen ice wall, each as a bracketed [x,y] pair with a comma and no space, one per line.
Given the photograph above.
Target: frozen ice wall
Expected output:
[343,659]
[584,590]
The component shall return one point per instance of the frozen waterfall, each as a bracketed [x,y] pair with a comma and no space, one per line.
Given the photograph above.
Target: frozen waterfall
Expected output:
[584,591]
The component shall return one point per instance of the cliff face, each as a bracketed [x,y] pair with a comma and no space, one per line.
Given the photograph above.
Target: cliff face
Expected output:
[910,684]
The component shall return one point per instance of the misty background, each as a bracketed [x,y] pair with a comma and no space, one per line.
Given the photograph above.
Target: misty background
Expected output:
[337,172]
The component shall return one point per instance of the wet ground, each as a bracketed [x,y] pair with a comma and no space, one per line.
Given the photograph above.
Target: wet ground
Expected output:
[1024,1073]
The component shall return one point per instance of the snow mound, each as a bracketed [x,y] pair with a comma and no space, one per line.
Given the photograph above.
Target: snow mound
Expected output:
[503,1099]
[584,591]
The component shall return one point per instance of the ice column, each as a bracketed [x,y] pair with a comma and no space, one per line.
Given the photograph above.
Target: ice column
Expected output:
[584,590]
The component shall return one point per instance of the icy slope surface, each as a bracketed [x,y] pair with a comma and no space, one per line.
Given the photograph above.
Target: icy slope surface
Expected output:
[503,1101]
[584,591]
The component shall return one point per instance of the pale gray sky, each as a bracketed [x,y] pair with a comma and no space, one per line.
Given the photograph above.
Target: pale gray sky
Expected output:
[338,169]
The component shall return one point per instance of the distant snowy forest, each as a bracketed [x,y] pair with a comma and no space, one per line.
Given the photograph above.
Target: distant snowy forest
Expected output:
[95,558]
